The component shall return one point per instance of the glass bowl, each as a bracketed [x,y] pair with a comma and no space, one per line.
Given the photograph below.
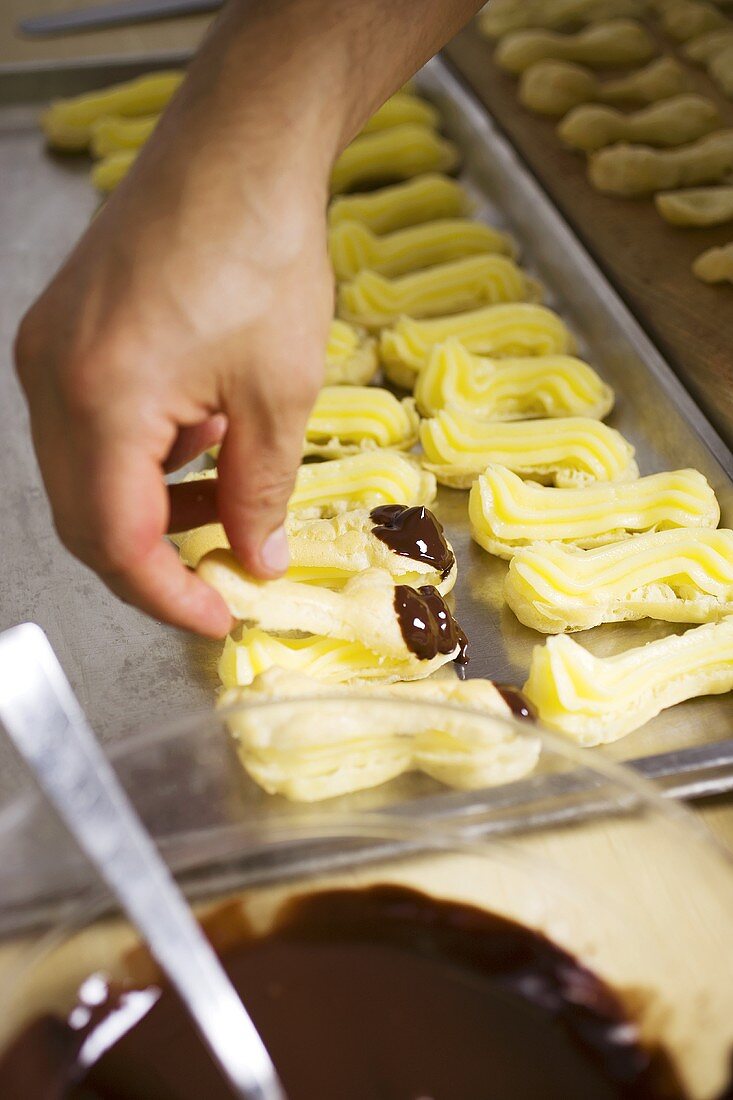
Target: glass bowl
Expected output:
[581,851]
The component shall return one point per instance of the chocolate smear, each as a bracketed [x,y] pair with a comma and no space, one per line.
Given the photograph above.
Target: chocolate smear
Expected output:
[413,533]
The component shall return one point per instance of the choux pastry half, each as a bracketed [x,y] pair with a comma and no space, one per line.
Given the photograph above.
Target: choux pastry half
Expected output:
[518,329]
[682,576]
[631,170]
[395,621]
[397,153]
[425,198]
[374,301]
[669,123]
[699,206]
[618,42]
[555,87]
[501,17]
[509,389]
[353,247]
[507,513]
[567,452]
[312,750]
[407,542]
[715,265]
[596,700]
[351,356]
[348,419]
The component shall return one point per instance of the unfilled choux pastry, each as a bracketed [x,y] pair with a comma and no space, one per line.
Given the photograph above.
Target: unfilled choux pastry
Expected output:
[501,17]
[714,50]
[619,42]
[422,199]
[401,109]
[352,247]
[329,660]
[330,551]
[507,513]
[374,301]
[681,576]
[597,700]
[68,123]
[390,155]
[715,265]
[309,752]
[555,87]
[704,48]
[348,419]
[570,452]
[519,329]
[686,19]
[700,206]
[394,621]
[631,170]
[351,356]
[720,70]
[509,389]
[672,122]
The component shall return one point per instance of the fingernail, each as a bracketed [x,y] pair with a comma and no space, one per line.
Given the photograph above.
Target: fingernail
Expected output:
[274,552]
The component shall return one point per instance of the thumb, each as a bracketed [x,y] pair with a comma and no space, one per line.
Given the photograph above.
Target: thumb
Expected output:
[258,461]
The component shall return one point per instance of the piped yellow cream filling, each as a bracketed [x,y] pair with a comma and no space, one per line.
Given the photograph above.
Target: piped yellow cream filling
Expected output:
[596,700]
[396,153]
[358,416]
[361,481]
[374,300]
[682,575]
[567,452]
[509,389]
[351,356]
[518,329]
[422,199]
[327,659]
[313,750]
[401,109]
[353,247]
[68,123]
[507,513]
[114,132]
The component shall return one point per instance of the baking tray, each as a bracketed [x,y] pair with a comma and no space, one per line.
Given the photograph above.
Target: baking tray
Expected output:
[128,669]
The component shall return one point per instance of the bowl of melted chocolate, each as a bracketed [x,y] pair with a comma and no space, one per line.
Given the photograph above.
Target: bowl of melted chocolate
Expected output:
[504,952]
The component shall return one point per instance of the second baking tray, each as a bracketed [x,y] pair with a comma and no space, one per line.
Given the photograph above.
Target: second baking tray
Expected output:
[689,746]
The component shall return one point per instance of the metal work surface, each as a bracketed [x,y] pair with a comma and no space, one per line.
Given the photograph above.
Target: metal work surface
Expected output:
[129,671]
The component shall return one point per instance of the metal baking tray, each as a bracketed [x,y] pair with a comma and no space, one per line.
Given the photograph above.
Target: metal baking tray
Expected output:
[129,670]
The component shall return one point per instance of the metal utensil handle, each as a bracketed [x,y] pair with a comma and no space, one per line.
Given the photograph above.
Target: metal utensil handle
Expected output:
[48,727]
[110,15]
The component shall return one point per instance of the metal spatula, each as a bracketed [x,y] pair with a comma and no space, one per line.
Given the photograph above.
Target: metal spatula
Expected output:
[44,720]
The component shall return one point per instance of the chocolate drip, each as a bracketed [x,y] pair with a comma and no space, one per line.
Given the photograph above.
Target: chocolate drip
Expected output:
[413,533]
[427,624]
[517,701]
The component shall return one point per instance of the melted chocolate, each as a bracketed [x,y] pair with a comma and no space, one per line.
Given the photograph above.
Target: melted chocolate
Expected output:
[413,533]
[517,701]
[427,624]
[375,994]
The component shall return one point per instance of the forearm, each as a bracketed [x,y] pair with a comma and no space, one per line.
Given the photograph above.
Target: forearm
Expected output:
[297,79]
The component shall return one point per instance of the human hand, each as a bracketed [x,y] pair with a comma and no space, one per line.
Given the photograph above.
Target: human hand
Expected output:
[194,310]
